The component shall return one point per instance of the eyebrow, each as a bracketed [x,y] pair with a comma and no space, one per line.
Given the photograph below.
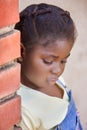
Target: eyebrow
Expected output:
[58,56]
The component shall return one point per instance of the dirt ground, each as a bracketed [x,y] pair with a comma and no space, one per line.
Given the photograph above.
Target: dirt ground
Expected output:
[75,74]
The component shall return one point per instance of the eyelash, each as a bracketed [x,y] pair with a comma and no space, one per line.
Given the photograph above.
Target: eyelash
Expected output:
[50,62]
[63,62]
[47,62]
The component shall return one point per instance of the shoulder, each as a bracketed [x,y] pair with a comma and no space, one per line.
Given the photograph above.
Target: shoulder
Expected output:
[29,121]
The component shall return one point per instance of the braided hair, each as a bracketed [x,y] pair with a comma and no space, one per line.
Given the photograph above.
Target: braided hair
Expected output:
[45,21]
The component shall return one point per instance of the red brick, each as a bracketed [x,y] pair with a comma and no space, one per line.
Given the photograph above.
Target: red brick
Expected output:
[9,12]
[10,113]
[9,47]
[9,80]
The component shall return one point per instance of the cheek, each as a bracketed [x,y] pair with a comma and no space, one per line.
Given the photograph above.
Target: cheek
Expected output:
[40,68]
[63,68]
[36,67]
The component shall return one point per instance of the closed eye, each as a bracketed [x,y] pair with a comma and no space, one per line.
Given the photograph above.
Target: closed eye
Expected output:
[47,62]
[63,61]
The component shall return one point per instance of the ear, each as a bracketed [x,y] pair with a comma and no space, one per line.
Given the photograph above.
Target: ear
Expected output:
[23,51]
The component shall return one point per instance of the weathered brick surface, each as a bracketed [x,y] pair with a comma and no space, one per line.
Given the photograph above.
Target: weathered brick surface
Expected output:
[10,103]
[9,80]
[10,113]
[9,47]
[9,12]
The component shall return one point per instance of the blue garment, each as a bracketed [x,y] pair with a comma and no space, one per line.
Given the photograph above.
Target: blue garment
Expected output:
[72,121]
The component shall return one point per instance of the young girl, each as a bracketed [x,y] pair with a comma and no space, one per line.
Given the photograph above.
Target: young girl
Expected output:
[47,35]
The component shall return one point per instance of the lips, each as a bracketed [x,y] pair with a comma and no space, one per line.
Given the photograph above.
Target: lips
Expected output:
[53,80]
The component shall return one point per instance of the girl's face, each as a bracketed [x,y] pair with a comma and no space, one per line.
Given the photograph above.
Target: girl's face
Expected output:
[44,64]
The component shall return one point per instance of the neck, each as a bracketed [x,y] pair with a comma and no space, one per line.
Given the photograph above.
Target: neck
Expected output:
[52,90]
[26,82]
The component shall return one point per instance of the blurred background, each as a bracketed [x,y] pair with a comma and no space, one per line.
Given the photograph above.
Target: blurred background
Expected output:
[75,74]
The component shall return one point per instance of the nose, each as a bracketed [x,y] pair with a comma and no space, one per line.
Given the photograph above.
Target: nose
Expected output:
[57,69]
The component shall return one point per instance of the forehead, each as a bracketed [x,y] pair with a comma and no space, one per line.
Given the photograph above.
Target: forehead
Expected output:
[58,48]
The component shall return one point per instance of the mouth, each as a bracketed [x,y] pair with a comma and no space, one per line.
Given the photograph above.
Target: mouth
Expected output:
[53,80]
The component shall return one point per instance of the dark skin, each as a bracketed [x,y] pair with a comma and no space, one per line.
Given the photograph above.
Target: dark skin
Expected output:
[43,65]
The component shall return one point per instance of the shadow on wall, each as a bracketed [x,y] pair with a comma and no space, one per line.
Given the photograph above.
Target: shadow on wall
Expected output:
[76,70]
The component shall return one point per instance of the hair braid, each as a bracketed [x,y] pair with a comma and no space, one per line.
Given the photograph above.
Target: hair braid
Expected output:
[40,21]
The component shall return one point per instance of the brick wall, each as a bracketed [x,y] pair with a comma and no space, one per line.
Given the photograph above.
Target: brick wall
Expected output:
[10,102]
